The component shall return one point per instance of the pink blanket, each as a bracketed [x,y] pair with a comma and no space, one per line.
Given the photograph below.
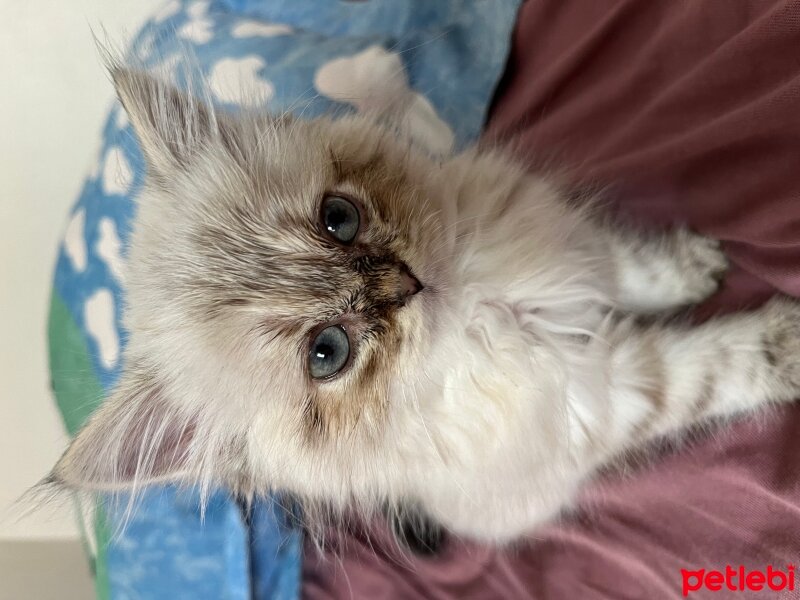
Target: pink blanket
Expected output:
[690,113]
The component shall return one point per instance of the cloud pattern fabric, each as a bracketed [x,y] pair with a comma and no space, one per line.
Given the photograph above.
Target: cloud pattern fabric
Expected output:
[439,60]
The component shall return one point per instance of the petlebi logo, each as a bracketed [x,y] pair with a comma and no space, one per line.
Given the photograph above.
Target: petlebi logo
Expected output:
[738,579]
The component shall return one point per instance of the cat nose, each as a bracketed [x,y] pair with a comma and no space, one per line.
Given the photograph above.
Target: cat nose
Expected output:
[409,285]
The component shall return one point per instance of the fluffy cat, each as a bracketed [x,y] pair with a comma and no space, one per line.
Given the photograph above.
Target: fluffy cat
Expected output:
[319,307]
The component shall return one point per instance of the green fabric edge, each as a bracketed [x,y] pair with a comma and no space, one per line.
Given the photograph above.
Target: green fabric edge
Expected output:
[78,393]
[102,533]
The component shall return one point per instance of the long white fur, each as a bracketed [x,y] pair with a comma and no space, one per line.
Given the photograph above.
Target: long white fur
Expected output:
[525,370]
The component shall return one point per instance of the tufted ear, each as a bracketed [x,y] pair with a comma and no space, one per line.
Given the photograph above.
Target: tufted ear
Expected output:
[171,125]
[135,438]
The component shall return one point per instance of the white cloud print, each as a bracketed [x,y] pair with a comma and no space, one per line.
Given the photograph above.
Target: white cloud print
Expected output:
[236,80]
[374,80]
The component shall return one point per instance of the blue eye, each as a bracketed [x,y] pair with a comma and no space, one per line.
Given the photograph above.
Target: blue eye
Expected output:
[329,352]
[340,218]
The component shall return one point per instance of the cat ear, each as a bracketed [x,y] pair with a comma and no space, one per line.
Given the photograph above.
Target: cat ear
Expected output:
[171,125]
[135,438]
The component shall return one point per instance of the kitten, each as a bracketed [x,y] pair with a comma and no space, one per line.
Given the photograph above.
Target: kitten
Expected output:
[319,307]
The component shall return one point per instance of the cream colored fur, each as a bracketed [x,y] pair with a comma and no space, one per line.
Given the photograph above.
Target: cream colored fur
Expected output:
[486,400]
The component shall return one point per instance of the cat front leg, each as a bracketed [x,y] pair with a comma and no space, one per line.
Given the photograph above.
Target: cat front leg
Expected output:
[666,377]
[664,272]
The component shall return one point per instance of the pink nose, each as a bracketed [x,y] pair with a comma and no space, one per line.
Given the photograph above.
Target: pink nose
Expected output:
[409,285]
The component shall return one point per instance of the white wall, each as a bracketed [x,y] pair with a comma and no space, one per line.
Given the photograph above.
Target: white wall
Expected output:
[53,97]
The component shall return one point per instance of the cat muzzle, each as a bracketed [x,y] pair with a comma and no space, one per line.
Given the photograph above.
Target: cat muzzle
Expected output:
[409,285]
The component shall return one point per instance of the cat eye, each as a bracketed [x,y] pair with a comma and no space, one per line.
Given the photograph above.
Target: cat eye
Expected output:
[340,218]
[329,352]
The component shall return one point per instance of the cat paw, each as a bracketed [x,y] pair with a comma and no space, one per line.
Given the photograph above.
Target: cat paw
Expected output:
[780,342]
[702,262]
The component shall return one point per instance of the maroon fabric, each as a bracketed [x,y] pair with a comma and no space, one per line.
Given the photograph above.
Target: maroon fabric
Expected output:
[687,112]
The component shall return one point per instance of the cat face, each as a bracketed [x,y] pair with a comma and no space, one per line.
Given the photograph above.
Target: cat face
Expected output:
[285,285]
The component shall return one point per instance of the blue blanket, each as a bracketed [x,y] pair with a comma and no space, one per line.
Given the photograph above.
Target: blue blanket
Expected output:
[441,58]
